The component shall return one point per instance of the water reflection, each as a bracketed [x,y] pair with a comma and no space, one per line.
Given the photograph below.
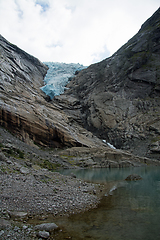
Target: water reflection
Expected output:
[132,212]
[111,174]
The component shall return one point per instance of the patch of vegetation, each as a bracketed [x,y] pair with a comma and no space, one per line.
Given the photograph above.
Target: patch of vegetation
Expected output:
[69,159]
[6,169]
[157,138]
[72,162]
[16,153]
[21,154]
[49,165]
[46,180]
[1,145]
[2,169]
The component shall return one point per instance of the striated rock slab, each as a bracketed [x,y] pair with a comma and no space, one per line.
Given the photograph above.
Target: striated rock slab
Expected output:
[23,108]
[102,157]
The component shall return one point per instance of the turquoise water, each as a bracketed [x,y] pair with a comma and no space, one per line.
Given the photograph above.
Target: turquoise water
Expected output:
[131,212]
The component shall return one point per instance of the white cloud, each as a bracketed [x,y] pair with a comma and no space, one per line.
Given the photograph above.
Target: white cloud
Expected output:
[72,31]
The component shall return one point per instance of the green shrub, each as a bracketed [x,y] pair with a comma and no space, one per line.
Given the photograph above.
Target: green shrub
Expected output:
[21,154]
[49,165]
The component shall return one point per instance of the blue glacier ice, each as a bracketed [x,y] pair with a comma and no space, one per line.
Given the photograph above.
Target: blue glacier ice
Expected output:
[57,77]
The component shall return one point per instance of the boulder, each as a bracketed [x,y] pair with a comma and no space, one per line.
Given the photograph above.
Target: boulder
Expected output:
[133,177]
[18,215]
[73,175]
[48,227]
[24,170]
[43,234]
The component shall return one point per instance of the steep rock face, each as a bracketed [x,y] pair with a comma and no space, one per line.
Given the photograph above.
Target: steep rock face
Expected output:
[120,96]
[116,99]
[23,108]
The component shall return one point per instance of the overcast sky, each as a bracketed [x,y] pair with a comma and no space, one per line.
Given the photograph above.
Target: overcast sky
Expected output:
[73,31]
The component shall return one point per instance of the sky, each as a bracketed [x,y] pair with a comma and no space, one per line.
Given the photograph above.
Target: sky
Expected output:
[73,31]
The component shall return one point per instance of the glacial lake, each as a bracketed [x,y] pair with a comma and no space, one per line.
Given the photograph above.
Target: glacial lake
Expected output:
[130,212]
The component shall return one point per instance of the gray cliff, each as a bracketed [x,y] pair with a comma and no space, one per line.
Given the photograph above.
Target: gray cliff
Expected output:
[120,96]
[24,109]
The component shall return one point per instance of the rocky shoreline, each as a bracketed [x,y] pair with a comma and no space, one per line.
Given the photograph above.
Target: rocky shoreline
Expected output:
[30,192]
[38,195]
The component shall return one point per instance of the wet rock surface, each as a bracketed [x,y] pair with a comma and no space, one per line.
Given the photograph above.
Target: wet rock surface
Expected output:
[133,177]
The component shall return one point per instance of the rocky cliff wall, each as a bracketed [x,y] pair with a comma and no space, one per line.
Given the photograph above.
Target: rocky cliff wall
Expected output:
[120,96]
[23,108]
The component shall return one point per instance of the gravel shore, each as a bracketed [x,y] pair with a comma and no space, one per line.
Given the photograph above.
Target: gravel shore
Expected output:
[29,191]
[39,194]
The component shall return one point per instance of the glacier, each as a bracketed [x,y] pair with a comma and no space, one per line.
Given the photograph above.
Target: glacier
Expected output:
[57,77]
